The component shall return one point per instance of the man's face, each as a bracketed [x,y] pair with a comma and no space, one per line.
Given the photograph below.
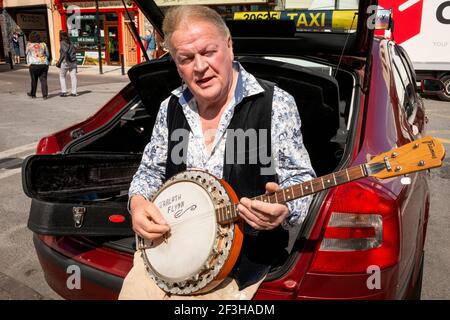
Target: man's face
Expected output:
[204,58]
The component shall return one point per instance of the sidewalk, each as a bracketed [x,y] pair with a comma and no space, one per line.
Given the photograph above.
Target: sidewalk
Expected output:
[82,70]
[23,122]
[11,289]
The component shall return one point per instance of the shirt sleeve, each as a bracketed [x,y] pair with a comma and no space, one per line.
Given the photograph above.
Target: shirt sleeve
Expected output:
[150,175]
[292,162]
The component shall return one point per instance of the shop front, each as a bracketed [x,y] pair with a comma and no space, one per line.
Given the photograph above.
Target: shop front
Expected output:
[25,18]
[116,37]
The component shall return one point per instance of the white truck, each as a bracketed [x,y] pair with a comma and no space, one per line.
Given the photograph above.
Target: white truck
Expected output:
[422,28]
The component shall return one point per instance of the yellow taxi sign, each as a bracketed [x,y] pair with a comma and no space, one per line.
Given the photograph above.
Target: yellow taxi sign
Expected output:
[257,15]
[308,20]
[344,20]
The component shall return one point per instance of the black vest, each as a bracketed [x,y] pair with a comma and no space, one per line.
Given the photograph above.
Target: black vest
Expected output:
[261,249]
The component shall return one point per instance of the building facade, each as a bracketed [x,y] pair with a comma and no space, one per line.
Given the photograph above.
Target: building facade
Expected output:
[25,17]
[117,39]
[79,19]
[115,26]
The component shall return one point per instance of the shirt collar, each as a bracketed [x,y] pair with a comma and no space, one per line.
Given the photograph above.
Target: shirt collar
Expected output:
[246,86]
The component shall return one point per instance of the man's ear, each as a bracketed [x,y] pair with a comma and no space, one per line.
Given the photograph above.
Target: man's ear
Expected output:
[230,47]
[230,43]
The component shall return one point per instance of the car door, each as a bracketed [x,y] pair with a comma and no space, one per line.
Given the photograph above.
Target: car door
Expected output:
[410,102]
[415,195]
[419,119]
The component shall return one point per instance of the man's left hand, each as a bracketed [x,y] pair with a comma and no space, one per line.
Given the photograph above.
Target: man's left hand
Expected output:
[263,215]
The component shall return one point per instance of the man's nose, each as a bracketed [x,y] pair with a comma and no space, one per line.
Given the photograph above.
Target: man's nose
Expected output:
[200,64]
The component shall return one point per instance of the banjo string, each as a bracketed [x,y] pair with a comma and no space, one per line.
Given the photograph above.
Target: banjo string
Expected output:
[201,216]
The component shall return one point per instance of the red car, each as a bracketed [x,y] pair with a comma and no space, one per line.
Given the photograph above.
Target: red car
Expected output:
[357,98]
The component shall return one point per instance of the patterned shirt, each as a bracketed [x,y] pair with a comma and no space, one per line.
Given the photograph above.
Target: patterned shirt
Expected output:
[37,53]
[291,160]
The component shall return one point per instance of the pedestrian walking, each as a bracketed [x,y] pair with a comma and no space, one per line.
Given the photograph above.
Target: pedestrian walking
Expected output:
[38,59]
[16,47]
[150,41]
[67,63]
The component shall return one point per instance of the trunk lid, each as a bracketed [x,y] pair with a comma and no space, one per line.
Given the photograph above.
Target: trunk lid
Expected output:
[298,28]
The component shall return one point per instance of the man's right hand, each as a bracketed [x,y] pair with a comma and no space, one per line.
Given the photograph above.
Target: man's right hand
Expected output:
[146,219]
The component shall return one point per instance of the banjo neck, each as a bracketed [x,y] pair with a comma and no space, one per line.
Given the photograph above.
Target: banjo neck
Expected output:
[418,155]
[229,213]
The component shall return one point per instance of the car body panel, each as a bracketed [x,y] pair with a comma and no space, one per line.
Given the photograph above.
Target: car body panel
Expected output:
[58,266]
[56,142]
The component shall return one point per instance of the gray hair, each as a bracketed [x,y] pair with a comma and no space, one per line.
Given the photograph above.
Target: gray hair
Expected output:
[175,16]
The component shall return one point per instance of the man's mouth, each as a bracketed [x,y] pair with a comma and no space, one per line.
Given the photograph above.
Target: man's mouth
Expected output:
[203,80]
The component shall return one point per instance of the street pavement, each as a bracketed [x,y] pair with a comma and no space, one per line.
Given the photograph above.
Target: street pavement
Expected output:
[55,113]
[436,274]
[23,121]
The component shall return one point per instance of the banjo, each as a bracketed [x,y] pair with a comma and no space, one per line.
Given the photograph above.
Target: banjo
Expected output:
[206,232]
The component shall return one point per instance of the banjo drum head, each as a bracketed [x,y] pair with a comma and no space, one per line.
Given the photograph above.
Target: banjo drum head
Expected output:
[189,210]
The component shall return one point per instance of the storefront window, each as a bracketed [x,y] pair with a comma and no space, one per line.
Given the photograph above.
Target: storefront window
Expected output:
[84,37]
[111,16]
[113,44]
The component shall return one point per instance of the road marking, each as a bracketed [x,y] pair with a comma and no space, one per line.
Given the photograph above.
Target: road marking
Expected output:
[16,150]
[440,116]
[407,4]
[432,111]
[11,164]
[5,173]
[8,173]
[447,141]
[438,131]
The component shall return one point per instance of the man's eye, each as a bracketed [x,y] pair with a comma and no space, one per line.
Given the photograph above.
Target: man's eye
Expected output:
[185,60]
[209,53]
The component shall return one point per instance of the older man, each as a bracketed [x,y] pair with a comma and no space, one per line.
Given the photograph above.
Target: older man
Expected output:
[218,94]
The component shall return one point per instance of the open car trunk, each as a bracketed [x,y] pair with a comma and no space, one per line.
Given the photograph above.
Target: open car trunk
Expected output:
[83,191]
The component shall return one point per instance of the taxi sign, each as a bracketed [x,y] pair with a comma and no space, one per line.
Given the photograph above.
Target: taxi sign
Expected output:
[319,20]
[308,20]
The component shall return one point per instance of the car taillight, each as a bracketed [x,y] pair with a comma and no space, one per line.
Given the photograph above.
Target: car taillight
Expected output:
[48,145]
[362,230]
[352,231]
